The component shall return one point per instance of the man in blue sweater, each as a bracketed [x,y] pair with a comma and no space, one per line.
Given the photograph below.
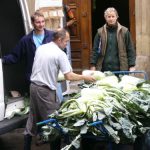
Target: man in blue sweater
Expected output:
[28,44]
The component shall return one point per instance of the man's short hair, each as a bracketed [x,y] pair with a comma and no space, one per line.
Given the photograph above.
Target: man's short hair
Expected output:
[110,9]
[60,33]
[37,13]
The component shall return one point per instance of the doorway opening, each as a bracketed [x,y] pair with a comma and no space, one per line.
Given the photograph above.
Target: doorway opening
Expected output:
[98,8]
[11,31]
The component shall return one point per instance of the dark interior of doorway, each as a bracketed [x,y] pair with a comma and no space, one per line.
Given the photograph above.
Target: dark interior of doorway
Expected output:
[98,8]
[11,30]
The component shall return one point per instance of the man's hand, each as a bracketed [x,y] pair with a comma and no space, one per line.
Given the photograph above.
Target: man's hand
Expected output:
[71,22]
[93,68]
[89,78]
[132,69]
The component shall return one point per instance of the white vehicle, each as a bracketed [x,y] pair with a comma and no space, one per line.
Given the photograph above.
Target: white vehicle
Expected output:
[15,22]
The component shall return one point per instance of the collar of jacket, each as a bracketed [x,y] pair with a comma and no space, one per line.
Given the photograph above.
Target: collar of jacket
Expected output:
[118,25]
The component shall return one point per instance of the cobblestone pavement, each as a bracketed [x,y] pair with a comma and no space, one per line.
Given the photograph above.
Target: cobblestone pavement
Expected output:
[14,141]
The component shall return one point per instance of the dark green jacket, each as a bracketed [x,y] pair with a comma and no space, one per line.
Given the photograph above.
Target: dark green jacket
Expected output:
[123,47]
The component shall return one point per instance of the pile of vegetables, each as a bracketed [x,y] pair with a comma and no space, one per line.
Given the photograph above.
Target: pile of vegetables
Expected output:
[19,111]
[117,108]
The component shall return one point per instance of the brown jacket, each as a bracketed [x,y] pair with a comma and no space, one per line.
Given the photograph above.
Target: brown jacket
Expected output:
[123,56]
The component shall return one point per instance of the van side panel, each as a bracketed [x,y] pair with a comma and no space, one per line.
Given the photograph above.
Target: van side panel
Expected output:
[2,105]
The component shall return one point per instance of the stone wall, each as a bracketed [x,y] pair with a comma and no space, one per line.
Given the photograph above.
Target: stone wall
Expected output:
[143,35]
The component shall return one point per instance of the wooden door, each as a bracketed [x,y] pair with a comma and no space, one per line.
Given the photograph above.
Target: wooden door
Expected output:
[80,34]
[81,31]
[132,20]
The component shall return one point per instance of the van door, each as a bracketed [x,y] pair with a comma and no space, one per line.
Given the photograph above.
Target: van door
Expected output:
[2,105]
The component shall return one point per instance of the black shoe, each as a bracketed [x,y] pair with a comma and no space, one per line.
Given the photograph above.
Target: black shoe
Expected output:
[27,142]
[56,144]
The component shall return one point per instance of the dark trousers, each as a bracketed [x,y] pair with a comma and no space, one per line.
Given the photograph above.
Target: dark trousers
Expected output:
[27,142]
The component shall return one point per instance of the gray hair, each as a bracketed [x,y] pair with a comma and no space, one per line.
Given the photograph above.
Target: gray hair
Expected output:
[60,33]
[110,9]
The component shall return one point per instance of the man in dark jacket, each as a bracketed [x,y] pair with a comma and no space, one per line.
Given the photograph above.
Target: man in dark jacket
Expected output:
[28,44]
[113,49]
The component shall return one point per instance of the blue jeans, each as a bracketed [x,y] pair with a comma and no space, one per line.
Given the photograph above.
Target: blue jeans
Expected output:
[59,92]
